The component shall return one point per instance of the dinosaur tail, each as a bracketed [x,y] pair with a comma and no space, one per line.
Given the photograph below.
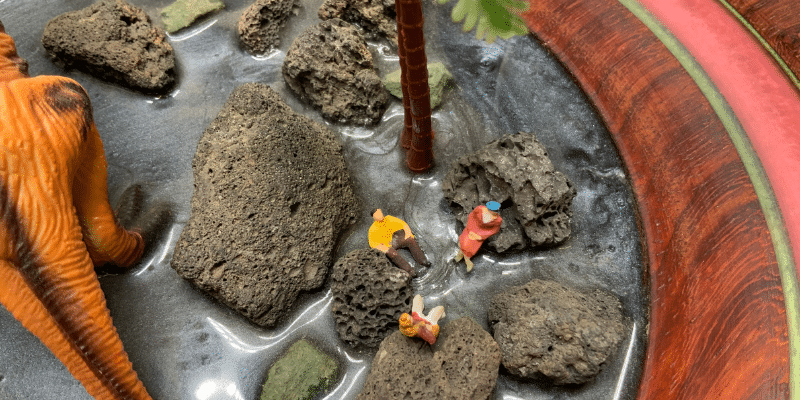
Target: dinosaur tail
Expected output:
[117,381]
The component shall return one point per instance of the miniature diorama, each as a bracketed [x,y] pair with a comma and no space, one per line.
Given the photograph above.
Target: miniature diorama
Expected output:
[270,130]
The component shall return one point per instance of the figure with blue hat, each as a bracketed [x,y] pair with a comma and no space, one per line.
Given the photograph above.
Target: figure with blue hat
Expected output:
[483,222]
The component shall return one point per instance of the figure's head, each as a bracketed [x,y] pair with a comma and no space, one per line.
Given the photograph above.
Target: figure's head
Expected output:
[12,66]
[493,206]
[377,214]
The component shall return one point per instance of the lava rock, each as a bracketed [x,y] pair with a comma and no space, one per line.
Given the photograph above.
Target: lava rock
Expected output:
[260,24]
[330,66]
[183,13]
[271,197]
[516,172]
[462,364]
[302,373]
[550,332]
[369,296]
[376,17]
[115,41]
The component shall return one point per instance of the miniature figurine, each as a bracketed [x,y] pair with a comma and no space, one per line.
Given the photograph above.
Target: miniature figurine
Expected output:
[388,234]
[483,222]
[420,325]
[56,225]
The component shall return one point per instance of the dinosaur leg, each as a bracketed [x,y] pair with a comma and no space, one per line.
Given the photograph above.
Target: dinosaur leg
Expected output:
[106,240]
[49,285]
[60,275]
[18,298]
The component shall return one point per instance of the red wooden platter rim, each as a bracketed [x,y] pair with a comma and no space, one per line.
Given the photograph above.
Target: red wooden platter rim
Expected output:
[710,143]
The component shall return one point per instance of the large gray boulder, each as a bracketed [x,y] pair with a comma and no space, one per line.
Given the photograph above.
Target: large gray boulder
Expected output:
[369,296]
[330,66]
[115,41]
[272,194]
[516,172]
[462,364]
[550,332]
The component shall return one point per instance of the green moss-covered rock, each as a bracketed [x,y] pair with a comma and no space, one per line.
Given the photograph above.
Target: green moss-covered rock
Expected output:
[302,373]
[182,13]
[438,79]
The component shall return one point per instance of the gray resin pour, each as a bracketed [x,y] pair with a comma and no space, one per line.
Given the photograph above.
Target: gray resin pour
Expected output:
[185,345]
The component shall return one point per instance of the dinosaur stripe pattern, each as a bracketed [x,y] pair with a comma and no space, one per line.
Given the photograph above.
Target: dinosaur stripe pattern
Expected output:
[57,226]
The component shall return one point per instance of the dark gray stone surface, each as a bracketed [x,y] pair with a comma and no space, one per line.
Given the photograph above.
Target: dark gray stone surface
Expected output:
[115,41]
[462,364]
[261,23]
[551,332]
[516,172]
[330,66]
[376,17]
[272,195]
[369,295]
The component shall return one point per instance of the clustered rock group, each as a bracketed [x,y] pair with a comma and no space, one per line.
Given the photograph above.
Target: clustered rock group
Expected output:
[262,231]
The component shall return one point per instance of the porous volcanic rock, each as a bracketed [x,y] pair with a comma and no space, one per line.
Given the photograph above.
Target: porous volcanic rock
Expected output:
[260,24]
[516,172]
[369,295]
[330,66]
[115,41]
[462,364]
[548,331]
[376,17]
[271,197]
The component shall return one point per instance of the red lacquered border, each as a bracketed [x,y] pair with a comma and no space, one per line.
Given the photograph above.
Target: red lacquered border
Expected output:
[718,318]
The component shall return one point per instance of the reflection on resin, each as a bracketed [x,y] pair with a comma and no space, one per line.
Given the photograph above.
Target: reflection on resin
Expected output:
[213,389]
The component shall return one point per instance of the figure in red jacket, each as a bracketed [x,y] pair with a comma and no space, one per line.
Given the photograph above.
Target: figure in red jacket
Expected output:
[483,222]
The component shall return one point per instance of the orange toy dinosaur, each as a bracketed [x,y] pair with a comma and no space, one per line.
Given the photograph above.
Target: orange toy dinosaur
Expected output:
[56,225]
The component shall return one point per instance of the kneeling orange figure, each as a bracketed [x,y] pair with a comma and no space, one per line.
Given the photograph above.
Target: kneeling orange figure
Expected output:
[425,327]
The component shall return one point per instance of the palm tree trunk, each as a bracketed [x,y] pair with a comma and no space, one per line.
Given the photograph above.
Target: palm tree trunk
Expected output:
[417,134]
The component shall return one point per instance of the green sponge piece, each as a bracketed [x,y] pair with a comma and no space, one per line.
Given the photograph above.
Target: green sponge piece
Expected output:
[438,79]
[300,374]
[182,13]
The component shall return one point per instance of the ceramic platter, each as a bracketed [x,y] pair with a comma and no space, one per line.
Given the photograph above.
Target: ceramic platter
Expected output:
[669,214]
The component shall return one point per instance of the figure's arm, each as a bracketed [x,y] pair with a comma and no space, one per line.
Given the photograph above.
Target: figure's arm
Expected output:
[406,229]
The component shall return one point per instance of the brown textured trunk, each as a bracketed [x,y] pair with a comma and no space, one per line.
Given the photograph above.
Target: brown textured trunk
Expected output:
[417,136]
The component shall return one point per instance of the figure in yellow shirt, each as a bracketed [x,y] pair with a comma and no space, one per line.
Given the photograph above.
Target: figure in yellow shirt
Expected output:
[388,234]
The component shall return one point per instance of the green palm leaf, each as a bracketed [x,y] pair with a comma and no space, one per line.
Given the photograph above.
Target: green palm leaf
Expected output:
[493,18]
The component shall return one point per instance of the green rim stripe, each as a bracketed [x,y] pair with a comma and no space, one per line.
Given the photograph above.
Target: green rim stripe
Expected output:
[766,197]
[767,47]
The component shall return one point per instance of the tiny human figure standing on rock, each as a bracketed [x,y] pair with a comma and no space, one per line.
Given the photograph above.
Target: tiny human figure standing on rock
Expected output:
[483,222]
[388,234]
